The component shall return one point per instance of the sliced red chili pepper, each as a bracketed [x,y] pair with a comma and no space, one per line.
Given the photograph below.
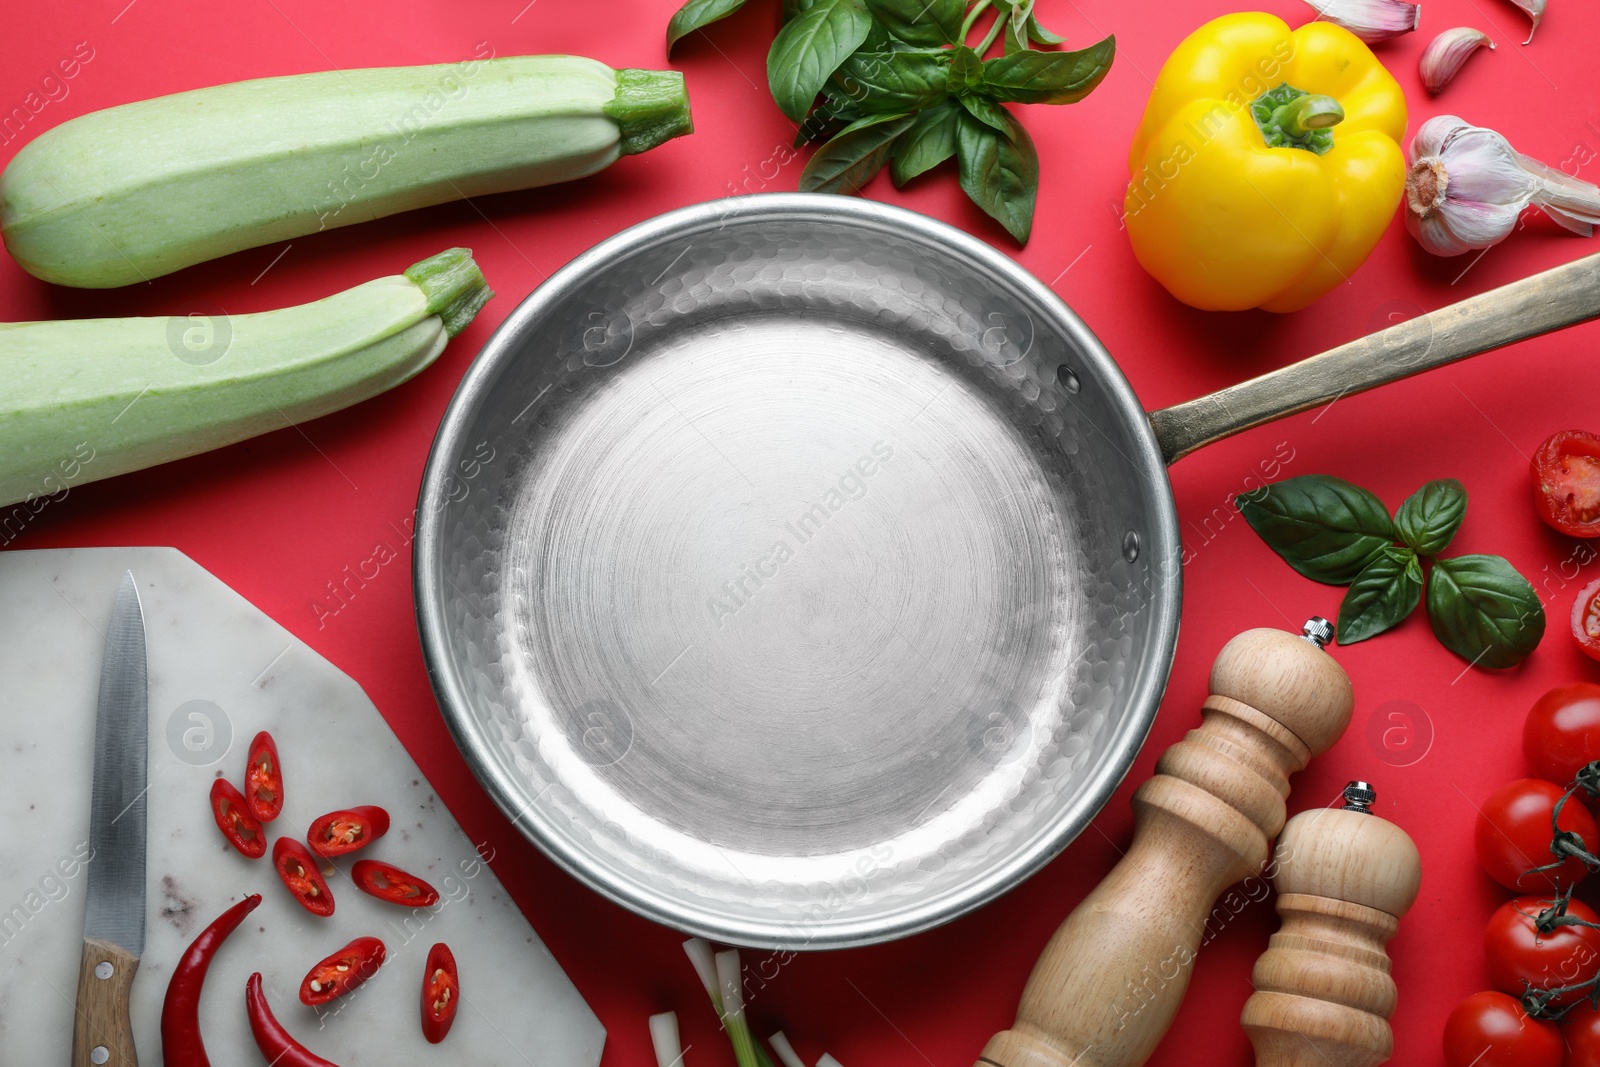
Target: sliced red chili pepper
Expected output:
[441,993]
[346,830]
[299,872]
[387,882]
[342,971]
[263,779]
[235,821]
[180,1011]
[276,1044]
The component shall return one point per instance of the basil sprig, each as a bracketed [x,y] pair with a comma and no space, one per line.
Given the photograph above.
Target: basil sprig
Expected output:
[1340,534]
[894,83]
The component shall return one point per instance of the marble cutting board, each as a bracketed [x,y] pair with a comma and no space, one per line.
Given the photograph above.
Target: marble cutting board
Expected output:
[219,671]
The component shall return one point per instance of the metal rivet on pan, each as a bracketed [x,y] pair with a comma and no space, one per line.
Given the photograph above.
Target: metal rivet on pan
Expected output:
[1130,546]
[1067,378]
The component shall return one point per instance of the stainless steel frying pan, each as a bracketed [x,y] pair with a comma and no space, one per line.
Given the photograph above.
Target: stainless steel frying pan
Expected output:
[800,572]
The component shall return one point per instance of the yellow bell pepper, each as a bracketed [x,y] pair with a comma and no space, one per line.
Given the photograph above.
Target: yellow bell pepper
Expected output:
[1267,165]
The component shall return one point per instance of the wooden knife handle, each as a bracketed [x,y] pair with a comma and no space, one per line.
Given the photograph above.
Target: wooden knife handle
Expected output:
[102,1033]
[1110,981]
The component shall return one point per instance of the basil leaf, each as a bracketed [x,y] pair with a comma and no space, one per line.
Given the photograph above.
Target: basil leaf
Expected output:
[1484,611]
[826,120]
[999,171]
[853,158]
[894,82]
[1048,77]
[1323,527]
[1040,35]
[810,48]
[1430,516]
[930,141]
[966,70]
[923,22]
[1382,595]
[1015,36]
[793,8]
[697,14]
[987,112]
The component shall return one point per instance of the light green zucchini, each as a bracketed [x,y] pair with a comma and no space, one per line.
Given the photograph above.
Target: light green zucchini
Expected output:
[91,398]
[133,192]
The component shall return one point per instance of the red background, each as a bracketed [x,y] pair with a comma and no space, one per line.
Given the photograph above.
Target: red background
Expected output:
[281,515]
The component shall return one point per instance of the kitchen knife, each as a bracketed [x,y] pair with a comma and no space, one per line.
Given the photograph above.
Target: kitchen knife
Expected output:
[113,925]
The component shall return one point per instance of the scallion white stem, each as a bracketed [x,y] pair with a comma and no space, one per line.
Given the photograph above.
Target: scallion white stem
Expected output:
[699,952]
[785,1051]
[828,1061]
[664,1038]
[730,979]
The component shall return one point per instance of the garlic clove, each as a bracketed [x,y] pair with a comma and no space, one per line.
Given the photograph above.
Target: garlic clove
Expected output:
[1535,10]
[1373,20]
[1446,54]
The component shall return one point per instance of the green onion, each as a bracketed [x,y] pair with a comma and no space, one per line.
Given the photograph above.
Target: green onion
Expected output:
[664,1036]
[785,1051]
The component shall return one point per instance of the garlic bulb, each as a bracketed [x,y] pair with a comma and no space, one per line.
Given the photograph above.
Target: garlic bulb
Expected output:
[1373,20]
[1447,52]
[1467,186]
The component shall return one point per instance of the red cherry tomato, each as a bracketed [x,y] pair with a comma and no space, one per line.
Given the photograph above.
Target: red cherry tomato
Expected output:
[342,971]
[1520,956]
[1513,836]
[1581,1030]
[233,818]
[1566,482]
[263,780]
[1490,1030]
[441,993]
[299,873]
[347,829]
[1586,619]
[1562,731]
[387,882]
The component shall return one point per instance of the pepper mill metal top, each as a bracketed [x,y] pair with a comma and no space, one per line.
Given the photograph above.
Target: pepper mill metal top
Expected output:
[1359,796]
[1318,631]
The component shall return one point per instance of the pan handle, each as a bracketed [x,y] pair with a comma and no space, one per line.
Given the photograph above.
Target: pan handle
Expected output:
[1547,301]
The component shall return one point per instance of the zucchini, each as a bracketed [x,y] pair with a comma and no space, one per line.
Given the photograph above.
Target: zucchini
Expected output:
[90,398]
[133,192]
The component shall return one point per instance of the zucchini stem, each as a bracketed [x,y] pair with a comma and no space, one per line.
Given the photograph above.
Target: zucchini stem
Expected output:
[453,285]
[651,106]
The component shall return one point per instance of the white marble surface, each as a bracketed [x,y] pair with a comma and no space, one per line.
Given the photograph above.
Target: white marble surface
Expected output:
[207,644]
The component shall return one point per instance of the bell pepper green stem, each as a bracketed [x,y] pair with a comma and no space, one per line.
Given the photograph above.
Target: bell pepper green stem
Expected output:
[1293,118]
[1303,114]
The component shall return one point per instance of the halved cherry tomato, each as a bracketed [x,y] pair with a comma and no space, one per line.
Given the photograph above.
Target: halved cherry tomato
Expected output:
[299,872]
[1562,731]
[1581,1030]
[235,821]
[1566,482]
[1491,1030]
[1586,619]
[343,971]
[263,779]
[441,993]
[1521,956]
[347,829]
[386,882]
[1513,836]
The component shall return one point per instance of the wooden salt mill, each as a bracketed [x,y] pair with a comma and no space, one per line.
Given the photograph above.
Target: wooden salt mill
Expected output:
[1323,992]
[1111,979]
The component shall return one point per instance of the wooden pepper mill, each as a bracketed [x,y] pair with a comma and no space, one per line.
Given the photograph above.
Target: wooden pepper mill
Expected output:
[1110,981]
[1323,992]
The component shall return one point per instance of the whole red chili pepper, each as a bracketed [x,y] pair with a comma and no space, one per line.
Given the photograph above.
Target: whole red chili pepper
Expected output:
[275,1043]
[347,829]
[342,971]
[299,872]
[263,779]
[235,821]
[441,993]
[387,882]
[180,1011]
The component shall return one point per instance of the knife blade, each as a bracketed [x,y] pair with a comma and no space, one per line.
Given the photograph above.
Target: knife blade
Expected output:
[113,925]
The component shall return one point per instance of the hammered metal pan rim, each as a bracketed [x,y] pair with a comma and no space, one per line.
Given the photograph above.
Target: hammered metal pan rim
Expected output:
[1144,694]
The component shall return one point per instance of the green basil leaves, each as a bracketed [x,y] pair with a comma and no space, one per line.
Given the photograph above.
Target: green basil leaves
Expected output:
[899,85]
[1334,532]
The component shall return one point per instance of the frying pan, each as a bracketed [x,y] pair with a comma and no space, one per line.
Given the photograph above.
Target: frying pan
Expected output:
[798,571]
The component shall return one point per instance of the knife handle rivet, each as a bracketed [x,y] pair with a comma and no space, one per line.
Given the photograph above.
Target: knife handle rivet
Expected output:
[104,970]
[99,1054]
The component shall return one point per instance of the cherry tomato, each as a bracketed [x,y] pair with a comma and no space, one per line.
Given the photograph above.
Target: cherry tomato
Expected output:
[1490,1030]
[342,971]
[263,779]
[235,821]
[1586,619]
[1566,482]
[1581,1030]
[387,882]
[347,829]
[1513,836]
[441,993]
[1520,956]
[1562,732]
[299,873]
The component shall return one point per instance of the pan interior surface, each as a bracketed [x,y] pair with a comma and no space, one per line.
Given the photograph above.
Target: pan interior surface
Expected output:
[797,582]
